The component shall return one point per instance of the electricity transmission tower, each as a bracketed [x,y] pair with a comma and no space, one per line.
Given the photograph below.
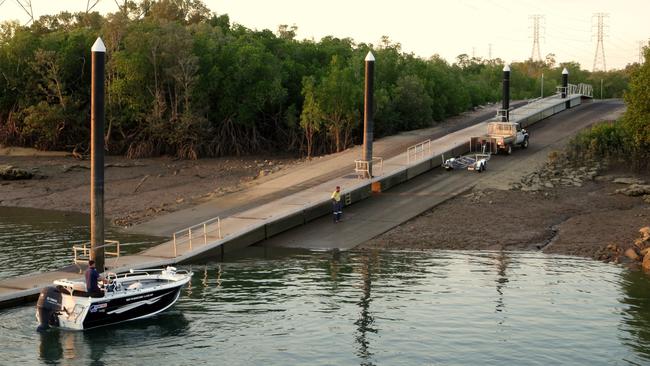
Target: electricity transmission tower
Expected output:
[536,55]
[26,5]
[90,4]
[599,57]
[28,8]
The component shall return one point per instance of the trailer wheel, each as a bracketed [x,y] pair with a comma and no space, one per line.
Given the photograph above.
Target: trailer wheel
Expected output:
[509,150]
[525,143]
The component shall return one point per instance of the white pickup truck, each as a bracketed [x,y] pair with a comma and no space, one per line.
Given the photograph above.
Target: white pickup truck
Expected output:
[504,135]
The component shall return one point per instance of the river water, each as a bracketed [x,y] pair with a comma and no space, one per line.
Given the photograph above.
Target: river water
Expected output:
[366,308]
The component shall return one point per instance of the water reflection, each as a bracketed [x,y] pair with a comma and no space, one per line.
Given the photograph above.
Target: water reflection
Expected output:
[636,289]
[365,321]
[50,348]
[372,308]
[501,280]
[35,240]
[59,345]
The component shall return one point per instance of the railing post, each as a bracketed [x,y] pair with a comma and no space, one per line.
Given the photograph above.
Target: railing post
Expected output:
[205,235]
[219,224]
[175,254]
[190,232]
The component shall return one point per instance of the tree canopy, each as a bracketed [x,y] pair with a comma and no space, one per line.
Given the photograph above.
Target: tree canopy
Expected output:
[184,81]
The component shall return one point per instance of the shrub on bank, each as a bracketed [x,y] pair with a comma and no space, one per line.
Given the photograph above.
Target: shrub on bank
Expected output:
[604,141]
[627,140]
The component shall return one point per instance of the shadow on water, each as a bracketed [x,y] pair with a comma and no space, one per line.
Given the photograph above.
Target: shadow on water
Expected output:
[56,345]
[635,287]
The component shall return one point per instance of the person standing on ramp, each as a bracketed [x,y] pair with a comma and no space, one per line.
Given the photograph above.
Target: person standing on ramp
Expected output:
[337,205]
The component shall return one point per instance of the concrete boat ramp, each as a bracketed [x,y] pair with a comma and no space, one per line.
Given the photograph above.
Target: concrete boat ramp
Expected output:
[289,203]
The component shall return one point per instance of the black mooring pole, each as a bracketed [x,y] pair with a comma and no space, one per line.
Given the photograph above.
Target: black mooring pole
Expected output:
[565,87]
[565,82]
[505,104]
[97,155]
[368,112]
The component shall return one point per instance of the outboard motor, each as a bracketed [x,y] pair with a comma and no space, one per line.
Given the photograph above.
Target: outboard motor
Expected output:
[48,307]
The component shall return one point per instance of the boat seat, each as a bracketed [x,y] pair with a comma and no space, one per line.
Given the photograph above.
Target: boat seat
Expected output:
[134,286]
[79,289]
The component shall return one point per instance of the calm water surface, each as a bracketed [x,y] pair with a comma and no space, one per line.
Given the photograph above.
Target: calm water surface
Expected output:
[371,308]
[50,235]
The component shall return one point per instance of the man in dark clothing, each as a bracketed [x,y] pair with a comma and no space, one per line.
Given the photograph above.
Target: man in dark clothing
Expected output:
[92,280]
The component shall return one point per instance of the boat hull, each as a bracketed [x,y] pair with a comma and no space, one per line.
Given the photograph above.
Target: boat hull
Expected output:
[137,306]
[134,295]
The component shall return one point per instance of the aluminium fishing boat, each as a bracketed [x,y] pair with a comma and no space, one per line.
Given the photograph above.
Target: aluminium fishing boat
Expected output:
[133,295]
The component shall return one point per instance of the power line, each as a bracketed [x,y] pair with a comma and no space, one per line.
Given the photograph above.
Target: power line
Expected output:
[599,57]
[536,55]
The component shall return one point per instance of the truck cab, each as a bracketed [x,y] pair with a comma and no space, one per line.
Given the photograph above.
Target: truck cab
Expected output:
[506,135]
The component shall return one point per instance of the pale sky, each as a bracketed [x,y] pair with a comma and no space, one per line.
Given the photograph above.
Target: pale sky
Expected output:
[428,27]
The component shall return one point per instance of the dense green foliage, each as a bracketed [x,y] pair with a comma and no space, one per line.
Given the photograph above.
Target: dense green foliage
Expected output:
[186,82]
[628,139]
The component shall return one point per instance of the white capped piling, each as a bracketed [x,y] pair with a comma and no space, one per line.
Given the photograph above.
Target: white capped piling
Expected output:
[98,52]
[505,104]
[565,82]
[368,124]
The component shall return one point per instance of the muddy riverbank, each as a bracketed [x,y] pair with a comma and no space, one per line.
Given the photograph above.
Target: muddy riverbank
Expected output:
[577,217]
[575,211]
[135,190]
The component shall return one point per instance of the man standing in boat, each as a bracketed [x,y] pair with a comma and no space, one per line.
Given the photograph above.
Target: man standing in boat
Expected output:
[337,205]
[92,280]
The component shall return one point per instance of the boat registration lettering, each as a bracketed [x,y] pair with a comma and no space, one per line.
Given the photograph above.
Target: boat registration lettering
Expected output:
[139,297]
[98,308]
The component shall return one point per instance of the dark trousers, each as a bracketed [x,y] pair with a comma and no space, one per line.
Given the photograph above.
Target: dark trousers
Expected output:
[96,293]
[337,210]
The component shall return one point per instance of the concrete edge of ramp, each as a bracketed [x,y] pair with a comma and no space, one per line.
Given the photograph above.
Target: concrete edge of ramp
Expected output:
[299,215]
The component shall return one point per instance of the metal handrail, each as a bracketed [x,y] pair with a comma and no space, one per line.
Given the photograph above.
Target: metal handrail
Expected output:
[418,151]
[586,89]
[187,234]
[362,167]
[84,256]
[581,88]
[503,113]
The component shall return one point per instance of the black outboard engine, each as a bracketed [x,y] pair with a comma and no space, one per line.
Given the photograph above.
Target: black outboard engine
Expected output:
[48,307]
